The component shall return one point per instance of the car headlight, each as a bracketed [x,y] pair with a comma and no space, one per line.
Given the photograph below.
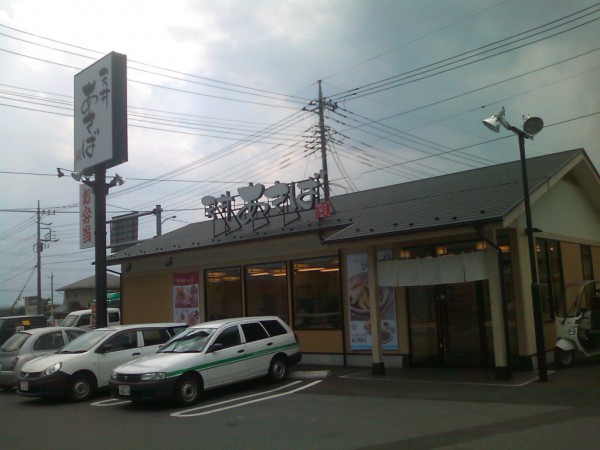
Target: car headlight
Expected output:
[153,376]
[113,375]
[52,369]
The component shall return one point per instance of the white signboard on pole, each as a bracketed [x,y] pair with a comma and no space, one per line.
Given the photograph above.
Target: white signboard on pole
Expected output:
[101,114]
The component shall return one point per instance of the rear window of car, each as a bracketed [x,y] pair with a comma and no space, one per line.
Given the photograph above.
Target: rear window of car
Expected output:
[155,336]
[274,327]
[15,342]
[254,331]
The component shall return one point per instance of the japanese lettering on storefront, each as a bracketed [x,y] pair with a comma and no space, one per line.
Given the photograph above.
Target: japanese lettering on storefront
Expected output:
[260,203]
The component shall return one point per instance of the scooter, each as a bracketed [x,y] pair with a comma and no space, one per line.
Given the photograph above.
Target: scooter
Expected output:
[578,323]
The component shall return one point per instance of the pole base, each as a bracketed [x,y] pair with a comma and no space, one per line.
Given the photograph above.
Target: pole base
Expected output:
[502,373]
[378,369]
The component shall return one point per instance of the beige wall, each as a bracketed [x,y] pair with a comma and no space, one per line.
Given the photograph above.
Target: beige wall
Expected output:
[147,298]
[320,341]
[571,262]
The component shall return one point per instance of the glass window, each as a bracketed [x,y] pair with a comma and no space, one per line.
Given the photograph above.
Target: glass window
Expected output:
[223,293]
[254,332]
[122,341]
[267,290]
[273,327]
[316,291]
[588,268]
[15,342]
[49,341]
[229,337]
[72,334]
[550,275]
[155,337]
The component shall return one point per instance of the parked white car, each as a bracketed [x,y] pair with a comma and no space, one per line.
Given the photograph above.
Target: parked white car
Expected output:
[83,366]
[209,355]
[26,345]
[84,318]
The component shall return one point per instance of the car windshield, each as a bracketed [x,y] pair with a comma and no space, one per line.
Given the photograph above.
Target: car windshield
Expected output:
[190,340]
[85,342]
[69,321]
[15,342]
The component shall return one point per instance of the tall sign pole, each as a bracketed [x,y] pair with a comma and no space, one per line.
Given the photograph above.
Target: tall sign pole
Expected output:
[100,143]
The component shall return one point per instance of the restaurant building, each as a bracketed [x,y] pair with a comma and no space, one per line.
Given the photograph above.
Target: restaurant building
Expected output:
[449,255]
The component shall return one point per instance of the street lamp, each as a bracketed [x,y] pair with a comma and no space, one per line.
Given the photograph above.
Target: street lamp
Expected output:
[531,127]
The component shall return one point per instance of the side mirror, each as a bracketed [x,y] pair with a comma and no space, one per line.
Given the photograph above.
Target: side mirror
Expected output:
[215,347]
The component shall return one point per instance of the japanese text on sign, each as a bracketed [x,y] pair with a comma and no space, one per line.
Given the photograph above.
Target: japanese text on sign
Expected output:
[91,97]
[86,216]
[260,203]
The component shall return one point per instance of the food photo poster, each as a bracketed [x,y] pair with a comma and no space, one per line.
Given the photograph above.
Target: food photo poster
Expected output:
[186,298]
[360,314]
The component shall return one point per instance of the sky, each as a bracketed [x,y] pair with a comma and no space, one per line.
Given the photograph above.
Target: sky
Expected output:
[222,94]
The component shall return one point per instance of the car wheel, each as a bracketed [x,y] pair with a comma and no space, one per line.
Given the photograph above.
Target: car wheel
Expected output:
[81,387]
[564,358]
[278,368]
[188,390]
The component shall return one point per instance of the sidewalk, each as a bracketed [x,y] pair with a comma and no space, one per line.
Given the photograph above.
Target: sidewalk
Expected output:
[583,374]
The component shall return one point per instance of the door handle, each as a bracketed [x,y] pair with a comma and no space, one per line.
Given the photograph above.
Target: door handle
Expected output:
[269,344]
[241,351]
[136,354]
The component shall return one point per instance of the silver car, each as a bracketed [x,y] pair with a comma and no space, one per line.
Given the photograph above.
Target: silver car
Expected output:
[26,345]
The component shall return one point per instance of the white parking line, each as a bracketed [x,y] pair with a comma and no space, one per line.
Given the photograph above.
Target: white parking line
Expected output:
[192,413]
[110,402]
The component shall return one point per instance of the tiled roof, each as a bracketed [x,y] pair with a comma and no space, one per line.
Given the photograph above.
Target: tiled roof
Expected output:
[481,195]
[112,282]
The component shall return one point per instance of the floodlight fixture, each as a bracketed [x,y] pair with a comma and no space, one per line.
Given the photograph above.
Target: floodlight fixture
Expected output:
[494,122]
[60,172]
[76,176]
[532,125]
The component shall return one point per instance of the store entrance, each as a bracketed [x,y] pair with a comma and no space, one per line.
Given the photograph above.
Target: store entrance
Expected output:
[448,324]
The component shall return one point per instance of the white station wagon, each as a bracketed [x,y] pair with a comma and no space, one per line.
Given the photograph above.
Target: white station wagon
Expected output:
[209,355]
[84,365]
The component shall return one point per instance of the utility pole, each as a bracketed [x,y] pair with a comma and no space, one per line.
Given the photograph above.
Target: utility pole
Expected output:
[323,143]
[39,248]
[52,298]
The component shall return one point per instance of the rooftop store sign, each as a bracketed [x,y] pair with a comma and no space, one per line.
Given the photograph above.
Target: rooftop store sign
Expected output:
[260,204]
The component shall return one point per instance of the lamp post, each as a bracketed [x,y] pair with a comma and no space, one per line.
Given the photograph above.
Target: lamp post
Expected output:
[531,126]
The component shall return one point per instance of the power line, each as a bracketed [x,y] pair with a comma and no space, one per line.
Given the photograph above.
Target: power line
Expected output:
[397,80]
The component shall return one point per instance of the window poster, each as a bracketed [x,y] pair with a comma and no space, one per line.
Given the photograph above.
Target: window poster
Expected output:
[360,314]
[186,298]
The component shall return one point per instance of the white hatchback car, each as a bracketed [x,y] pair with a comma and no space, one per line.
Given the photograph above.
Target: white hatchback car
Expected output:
[209,355]
[23,346]
[84,365]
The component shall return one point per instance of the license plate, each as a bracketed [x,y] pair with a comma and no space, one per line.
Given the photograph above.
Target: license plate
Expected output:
[124,390]
[24,386]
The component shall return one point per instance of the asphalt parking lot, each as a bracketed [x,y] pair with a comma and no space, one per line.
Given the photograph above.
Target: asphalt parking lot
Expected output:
[333,408]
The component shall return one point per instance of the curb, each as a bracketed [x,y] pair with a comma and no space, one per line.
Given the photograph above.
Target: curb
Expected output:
[309,374]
